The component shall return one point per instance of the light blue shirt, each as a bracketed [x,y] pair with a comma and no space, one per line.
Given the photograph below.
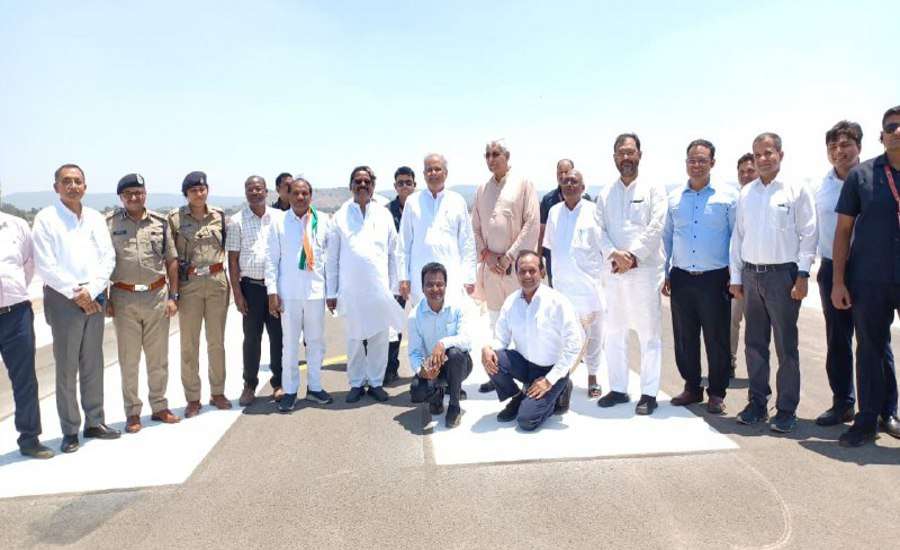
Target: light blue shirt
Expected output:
[698,227]
[427,328]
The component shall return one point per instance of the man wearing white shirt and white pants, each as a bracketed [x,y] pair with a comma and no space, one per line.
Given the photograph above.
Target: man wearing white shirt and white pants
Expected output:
[543,328]
[74,255]
[573,236]
[773,246]
[632,213]
[435,227]
[360,283]
[295,282]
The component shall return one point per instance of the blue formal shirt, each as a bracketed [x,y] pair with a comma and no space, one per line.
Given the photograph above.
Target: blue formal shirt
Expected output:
[698,227]
[427,328]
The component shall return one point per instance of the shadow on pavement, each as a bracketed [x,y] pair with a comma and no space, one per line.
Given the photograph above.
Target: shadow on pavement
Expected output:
[867,454]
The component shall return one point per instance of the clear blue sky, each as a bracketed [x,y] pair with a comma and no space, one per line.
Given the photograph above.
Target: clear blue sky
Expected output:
[164,88]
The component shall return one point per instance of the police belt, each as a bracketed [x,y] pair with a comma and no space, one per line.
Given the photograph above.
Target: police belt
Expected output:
[206,270]
[763,268]
[157,284]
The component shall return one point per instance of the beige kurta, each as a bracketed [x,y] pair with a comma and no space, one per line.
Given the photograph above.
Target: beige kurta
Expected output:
[505,220]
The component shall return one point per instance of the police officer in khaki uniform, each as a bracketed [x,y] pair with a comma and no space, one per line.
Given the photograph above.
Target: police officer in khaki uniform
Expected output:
[199,231]
[139,301]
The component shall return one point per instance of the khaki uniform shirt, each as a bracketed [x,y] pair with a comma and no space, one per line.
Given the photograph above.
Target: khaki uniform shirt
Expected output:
[200,242]
[142,248]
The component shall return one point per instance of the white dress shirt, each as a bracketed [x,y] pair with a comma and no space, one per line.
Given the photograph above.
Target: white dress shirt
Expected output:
[574,237]
[361,269]
[826,200]
[284,245]
[16,260]
[632,218]
[775,224]
[246,235]
[72,251]
[545,331]
[437,229]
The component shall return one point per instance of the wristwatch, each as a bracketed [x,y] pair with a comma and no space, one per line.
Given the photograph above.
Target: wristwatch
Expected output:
[174,296]
[804,274]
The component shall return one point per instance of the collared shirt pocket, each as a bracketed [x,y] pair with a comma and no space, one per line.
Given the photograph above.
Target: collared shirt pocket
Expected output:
[639,211]
[715,215]
[782,215]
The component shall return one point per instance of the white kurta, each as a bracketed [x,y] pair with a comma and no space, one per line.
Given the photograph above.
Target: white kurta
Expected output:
[361,270]
[437,229]
[574,238]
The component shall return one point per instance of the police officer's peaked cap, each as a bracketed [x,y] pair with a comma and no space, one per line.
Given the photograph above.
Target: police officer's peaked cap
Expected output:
[192,180]
[129,180]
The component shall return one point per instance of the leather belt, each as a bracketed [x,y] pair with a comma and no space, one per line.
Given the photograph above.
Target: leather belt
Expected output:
[763,268]
[252,281]
[10,309]
[699,273]
[206,270]
[157,284]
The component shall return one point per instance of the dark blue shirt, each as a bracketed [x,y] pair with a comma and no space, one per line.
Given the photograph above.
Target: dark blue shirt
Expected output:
[875,250]
[396,211]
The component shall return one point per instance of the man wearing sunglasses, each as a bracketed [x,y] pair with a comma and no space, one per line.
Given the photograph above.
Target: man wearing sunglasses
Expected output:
[404,185]
[505,220]
[360,283]
[867,277]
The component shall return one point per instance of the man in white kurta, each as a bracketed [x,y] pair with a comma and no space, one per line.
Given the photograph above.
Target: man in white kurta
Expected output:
[360,283]
[295,283]
[435,227]
[632,215]
[573,236]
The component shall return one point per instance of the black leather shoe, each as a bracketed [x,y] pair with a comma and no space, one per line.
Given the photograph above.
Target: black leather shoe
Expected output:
[562,403]
[378,394]
[436,402]
[856,436]
[463,395]
[839,414]
[486,387]
[891,426]
[646,405]
[69,443]
[34,449]
[612,398]
[355,394]
[101,431]
[454,413]
[511,410]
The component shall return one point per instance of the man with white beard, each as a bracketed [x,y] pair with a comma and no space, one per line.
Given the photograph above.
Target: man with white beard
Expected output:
[360,276]
[632,213]
[435,227]
[572,235]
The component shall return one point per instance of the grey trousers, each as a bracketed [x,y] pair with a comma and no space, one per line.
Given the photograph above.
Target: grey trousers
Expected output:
[768,309]
[78,352]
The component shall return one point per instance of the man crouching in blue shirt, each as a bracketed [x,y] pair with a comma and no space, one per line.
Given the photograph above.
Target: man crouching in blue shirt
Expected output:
[438,347]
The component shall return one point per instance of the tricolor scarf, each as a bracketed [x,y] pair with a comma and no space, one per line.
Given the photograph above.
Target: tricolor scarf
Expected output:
[307,259]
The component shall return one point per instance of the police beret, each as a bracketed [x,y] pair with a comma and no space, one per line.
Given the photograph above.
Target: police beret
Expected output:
[129,180]
[192,180]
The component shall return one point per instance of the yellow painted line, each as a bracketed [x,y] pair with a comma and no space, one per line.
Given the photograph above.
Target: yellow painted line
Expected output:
[341,359]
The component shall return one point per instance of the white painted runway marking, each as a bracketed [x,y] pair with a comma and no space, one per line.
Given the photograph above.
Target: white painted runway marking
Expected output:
[157,455]
[586,431]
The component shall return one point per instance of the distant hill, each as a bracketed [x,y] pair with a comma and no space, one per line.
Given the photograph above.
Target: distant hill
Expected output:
[101,201]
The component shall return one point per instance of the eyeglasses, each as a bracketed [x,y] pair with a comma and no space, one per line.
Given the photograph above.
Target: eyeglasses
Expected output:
[131,195]
[492,154]
[891,127]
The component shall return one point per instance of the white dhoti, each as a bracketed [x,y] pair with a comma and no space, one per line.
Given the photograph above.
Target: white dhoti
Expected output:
[366,362]
[633,303]
[302,320]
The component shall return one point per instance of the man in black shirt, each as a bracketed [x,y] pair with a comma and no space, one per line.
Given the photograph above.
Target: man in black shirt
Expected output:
[404,185]
[869,211]
[283,187]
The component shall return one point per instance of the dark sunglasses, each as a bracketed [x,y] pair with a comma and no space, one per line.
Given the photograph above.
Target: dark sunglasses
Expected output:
[492,154]
[891,127]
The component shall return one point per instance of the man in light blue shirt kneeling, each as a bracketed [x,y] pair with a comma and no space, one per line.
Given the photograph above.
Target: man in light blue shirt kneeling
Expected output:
[438,347]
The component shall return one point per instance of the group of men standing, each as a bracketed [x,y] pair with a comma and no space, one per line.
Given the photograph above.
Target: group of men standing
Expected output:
[720,253]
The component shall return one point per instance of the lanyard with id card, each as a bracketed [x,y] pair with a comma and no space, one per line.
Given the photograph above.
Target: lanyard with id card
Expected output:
[890,179]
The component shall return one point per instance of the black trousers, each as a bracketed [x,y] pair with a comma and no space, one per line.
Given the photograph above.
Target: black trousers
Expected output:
[873,310]
[393,362]
[257,318]
[457,368]
[17,350]
[700,303]
[839,339]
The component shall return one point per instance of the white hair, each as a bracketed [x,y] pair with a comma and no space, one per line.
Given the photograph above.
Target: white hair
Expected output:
[499,144]
[438,156]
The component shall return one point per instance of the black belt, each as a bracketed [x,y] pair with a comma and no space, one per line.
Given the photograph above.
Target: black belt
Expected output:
[698,273]
[252,281]
[10,309]
[763,268]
